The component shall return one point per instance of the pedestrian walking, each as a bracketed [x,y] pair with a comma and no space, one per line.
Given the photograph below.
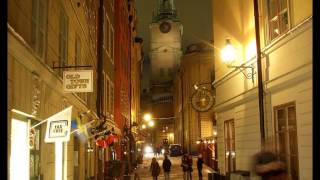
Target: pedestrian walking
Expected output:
[155,151]
[166,165]
[185,167]
[154,169]
[190,166]
[199,166]
[269,167]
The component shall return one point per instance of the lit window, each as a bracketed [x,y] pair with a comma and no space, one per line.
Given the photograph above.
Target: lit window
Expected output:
[278,19]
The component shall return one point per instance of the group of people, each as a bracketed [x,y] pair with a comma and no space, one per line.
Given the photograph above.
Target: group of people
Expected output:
[266,165]
[186,164]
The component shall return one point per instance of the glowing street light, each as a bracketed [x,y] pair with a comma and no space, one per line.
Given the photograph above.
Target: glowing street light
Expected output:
[151,123]
[228,53]
[143,126]
[147,117]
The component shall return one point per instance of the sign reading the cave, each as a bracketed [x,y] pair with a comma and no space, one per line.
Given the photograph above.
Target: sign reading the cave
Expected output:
[78,81]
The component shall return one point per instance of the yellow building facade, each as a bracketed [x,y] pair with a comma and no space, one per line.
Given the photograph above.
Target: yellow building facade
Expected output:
[196,69]
[43,34]
[286,46]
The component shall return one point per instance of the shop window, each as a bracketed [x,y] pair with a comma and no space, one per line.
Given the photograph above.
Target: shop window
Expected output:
[229,140]
[39,26]
[25,153]
[278,18]
[35,154]
[19,157]
[286,137]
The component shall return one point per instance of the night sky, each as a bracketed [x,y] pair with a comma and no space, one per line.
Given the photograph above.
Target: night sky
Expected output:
[195,16]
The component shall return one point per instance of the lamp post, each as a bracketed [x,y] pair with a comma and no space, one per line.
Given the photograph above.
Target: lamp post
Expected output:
[259,67]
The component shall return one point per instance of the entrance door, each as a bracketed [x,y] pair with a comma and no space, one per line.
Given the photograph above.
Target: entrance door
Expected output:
[286,137]
[229,139]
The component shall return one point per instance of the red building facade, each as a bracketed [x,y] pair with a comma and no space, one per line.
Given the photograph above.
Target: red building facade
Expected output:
[122,65]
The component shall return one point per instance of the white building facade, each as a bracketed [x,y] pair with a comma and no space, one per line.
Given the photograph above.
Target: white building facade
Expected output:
[286,42]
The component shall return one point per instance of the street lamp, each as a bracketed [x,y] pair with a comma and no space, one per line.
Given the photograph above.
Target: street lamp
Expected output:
[151,123]
[228,55]
[147,117]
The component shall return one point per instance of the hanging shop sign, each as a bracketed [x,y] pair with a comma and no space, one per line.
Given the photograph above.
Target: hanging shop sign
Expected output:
[59,126]
[78,81]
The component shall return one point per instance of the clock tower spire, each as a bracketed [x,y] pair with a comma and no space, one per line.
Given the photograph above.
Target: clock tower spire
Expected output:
[166,10]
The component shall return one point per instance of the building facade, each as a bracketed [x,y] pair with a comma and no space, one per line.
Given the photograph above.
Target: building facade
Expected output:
[165,52]
[286,46]
[43,35]
[46,38]
[195,70]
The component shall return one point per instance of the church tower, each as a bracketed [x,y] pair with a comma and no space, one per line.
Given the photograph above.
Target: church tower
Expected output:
[165,42]
[165,52]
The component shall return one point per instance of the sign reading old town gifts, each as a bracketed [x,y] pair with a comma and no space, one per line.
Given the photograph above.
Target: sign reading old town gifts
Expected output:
[78,81]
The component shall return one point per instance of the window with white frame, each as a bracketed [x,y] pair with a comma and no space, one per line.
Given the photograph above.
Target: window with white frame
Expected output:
[286,137]
[278,17]
[63,39]
[39,26]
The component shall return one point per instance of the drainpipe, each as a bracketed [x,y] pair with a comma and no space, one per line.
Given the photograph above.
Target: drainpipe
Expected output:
[100,172]
[182,109]
[259,69]
[100,58]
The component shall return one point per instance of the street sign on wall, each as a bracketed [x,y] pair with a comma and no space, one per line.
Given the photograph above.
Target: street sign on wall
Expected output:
[59,126]
[78,81]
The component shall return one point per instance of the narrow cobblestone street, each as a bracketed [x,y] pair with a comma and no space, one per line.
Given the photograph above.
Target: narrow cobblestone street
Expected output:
[176,171]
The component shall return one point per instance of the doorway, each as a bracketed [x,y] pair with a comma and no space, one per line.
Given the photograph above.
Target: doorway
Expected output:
[230,152]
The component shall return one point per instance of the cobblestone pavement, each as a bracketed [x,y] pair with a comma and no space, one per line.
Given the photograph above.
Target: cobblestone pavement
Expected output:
[176,171]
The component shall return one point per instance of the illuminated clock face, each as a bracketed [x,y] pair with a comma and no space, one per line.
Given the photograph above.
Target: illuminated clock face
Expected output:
[202,100]
[165,27]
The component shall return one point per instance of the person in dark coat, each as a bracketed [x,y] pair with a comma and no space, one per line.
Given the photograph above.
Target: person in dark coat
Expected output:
[190,166]
[185,167]
[269,167]
[199,165]
[155,169]
[166,165]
